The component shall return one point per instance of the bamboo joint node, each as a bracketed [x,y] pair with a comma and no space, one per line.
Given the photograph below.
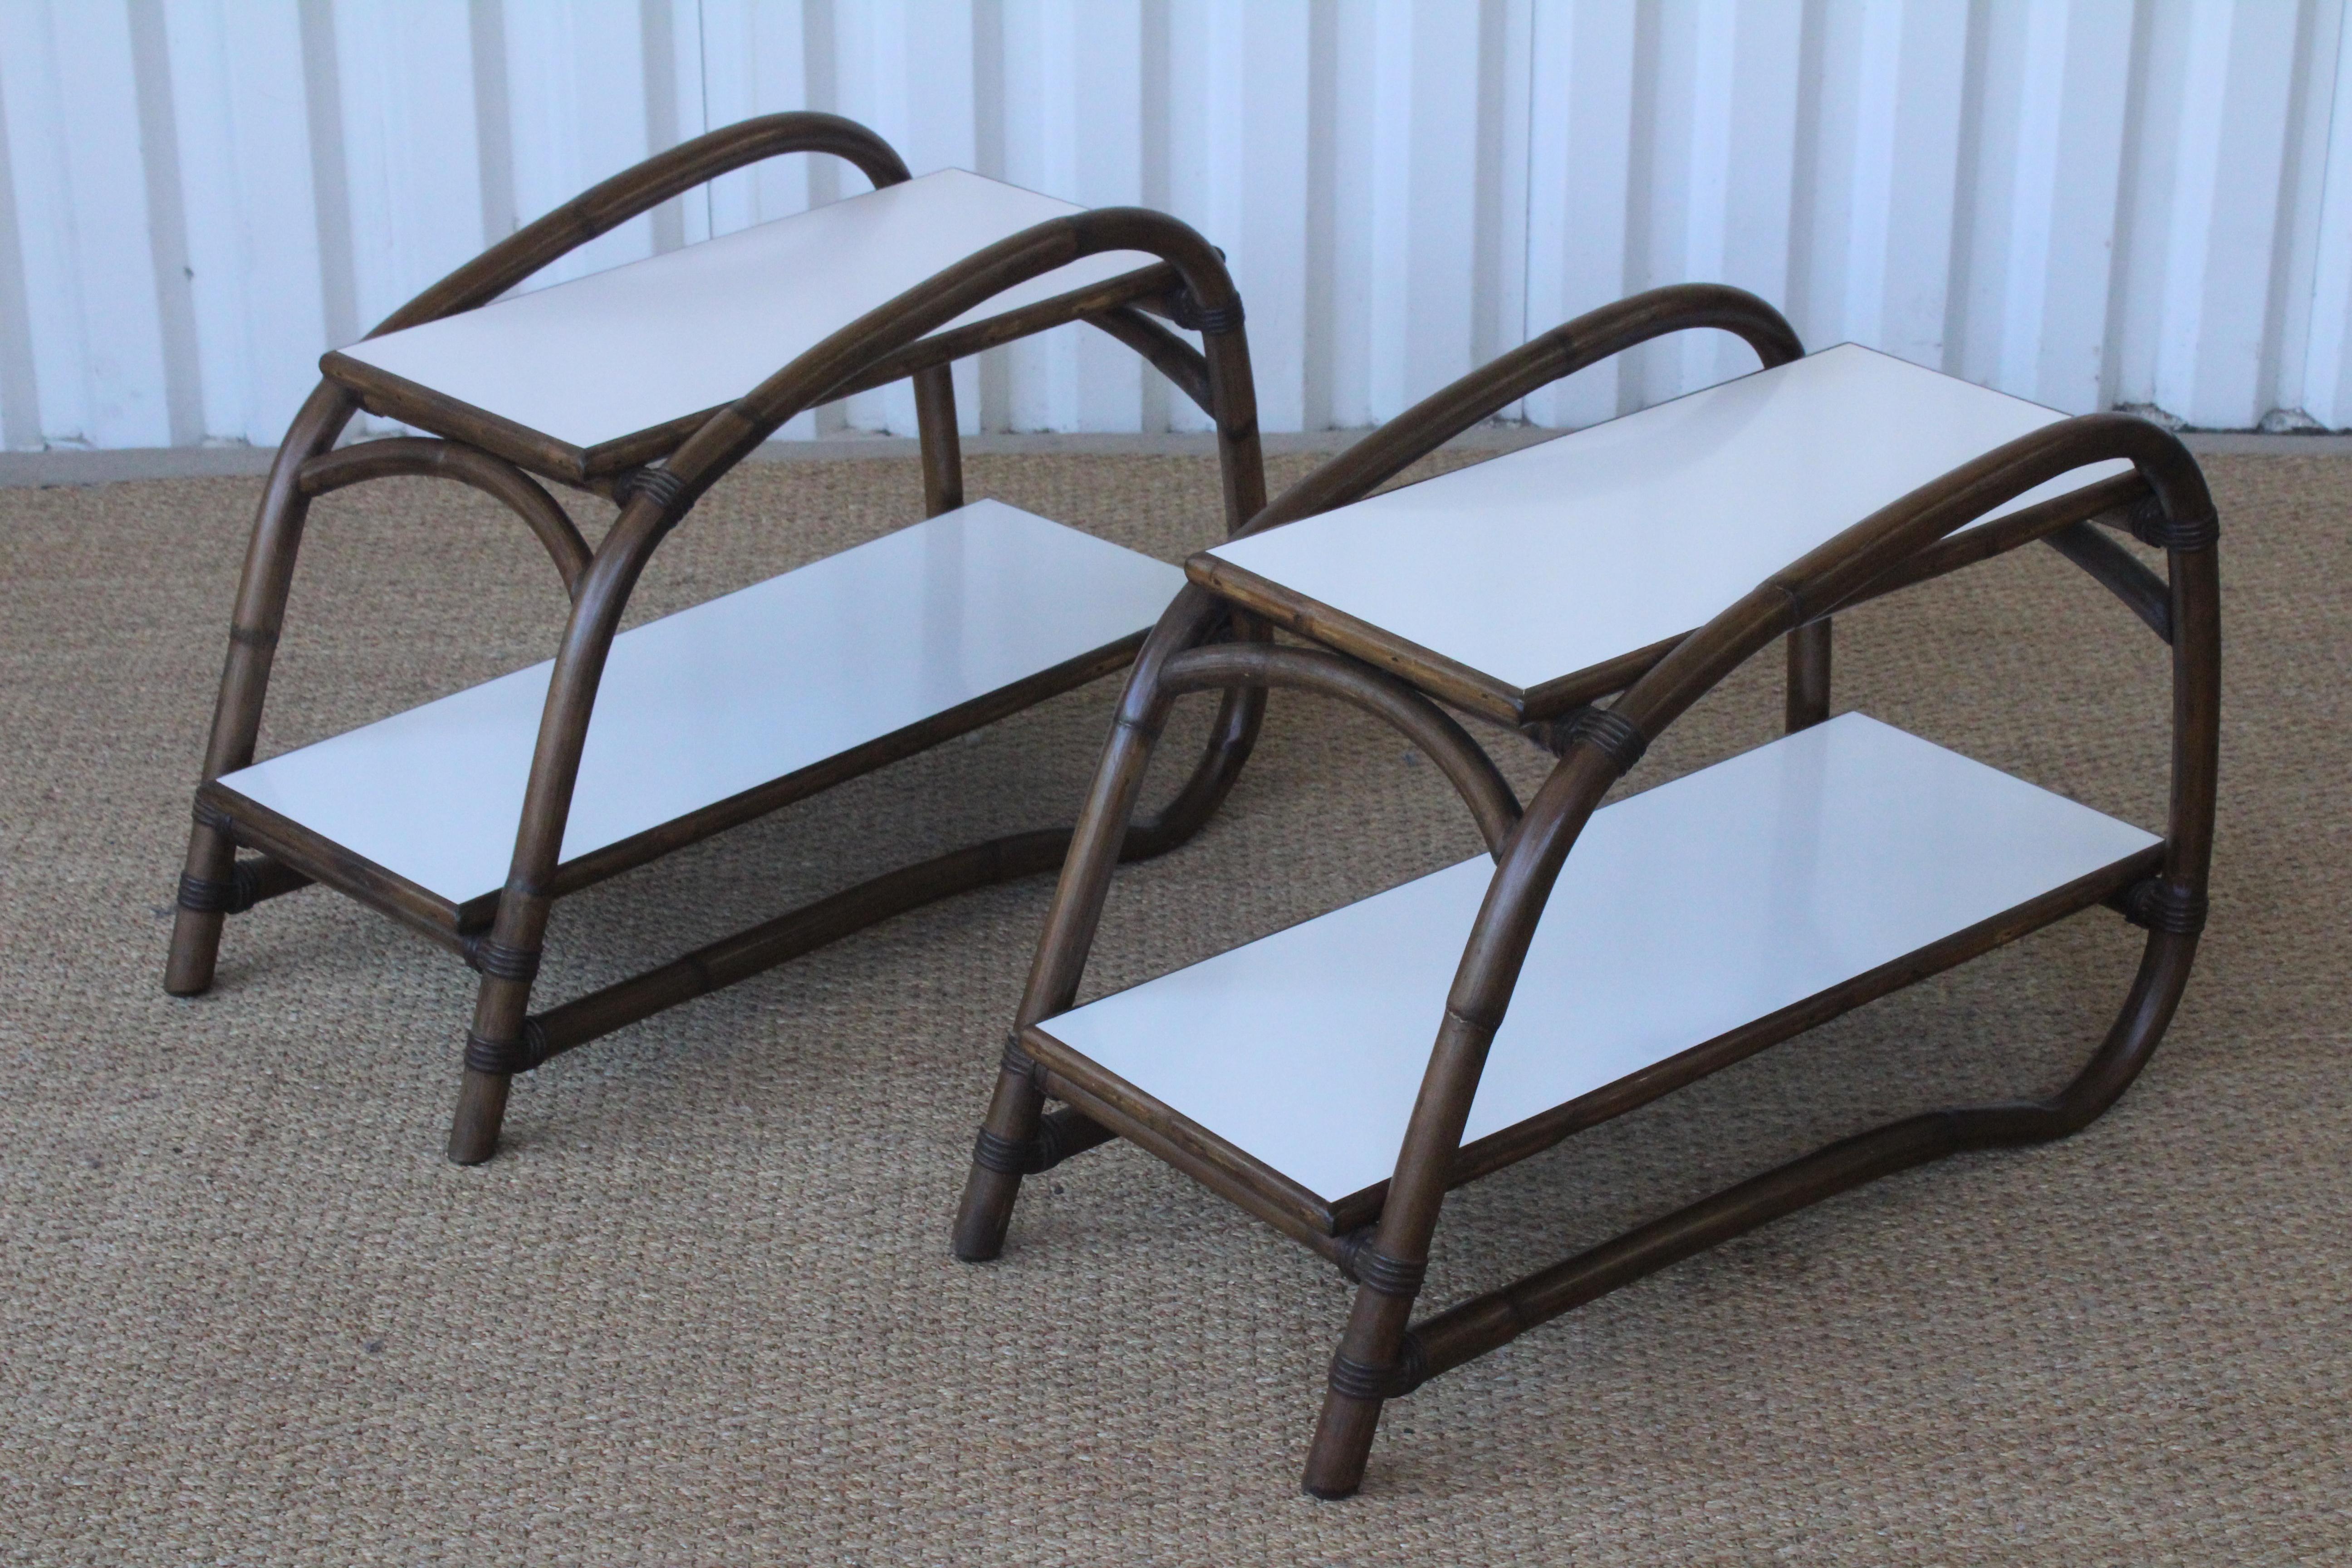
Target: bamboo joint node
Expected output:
[1186,310]
[1375,1270]
[2150,526]
[500,961]
[508,1057]
[1362,1380]
[1613,735]
[2159,905]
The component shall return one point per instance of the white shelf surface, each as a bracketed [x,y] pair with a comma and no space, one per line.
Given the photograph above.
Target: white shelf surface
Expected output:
[1558,557]
[699,707]
[621,351]
[1683,913]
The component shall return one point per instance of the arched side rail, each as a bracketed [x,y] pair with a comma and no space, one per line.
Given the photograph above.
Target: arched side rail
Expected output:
[1468,768]
[653,508]
[732,433]
[635,191]
[1372,1357]
[2120,572]
[894,325]
[1184,366]
[434,458]
[1167,352]
[1587,341]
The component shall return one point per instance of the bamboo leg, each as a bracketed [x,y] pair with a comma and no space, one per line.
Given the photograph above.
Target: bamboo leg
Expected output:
[993,1184]
[502,1042]
[494,1051]
[942,445]
[1389,1271]
[260,613]
[196,931]
[1808,675]
[1359,1379]
[1097,843]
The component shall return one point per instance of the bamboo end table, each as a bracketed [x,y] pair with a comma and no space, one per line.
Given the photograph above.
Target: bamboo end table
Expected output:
[1337,1077]
[642,386]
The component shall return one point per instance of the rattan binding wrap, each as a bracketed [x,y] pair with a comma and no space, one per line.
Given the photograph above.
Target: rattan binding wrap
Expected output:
[512,1057]
[2160,905]
[2150,526]
[496,959]
[1188,314]
[1367,1265]
[1615,737]
[665,489]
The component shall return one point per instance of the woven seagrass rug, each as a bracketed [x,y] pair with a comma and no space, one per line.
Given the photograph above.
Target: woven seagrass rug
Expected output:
[702,1311]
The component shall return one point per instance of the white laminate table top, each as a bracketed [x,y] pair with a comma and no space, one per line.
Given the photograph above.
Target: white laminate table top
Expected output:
[1558,557]
[697,707]
[622,351]
[1682,913]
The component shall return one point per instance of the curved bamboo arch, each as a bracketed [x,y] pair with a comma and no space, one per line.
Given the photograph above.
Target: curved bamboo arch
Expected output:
[431,457]
[1562,351]
[1430,728]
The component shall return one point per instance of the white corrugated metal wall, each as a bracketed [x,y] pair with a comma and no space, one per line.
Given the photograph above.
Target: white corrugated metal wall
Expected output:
[2087,202]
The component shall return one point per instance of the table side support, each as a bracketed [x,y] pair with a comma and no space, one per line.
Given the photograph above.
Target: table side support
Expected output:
[1372,1356]
[1809,676]
[254,629]
[942,444]
[1490,1320]
[497,1045]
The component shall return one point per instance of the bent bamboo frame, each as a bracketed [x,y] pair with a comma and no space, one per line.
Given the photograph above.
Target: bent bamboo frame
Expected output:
[888,343]
[1384,1243]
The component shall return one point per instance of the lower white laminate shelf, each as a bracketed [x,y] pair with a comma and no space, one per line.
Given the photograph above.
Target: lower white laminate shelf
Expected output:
[701,706]
[1682,914]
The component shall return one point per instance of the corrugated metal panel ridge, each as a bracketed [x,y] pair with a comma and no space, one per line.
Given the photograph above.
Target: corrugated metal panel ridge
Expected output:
[2092,203]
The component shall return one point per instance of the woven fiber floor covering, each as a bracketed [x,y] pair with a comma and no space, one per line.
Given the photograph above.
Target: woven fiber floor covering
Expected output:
[702,1310]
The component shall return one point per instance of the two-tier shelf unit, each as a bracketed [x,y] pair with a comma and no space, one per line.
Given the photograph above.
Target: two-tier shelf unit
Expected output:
[643,385]
[1694,924]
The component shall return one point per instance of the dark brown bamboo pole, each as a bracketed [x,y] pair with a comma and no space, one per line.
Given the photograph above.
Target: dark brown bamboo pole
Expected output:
[494,476]
[1168,354]
[1588,340]
[1808,675]
[942,444]
[1018,1100]
[789,936]
[2117,571]
[1430,728]
[254,628]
